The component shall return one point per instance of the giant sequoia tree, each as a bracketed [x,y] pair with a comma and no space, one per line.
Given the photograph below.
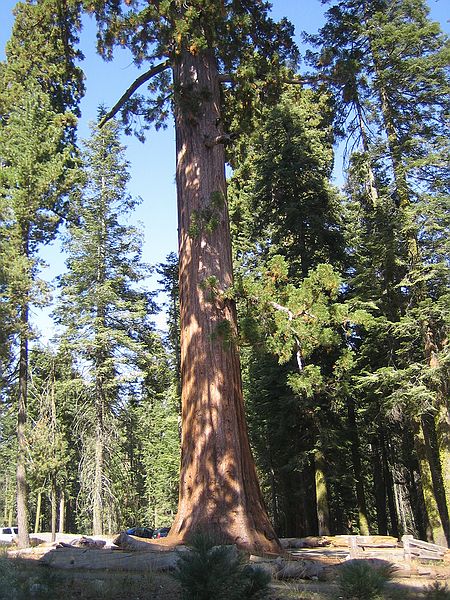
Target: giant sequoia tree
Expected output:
[198,45]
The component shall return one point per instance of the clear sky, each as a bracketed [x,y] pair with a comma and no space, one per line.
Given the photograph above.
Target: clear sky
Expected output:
[152,165]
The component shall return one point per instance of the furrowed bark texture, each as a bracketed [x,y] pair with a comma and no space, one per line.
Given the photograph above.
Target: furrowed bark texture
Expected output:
[219,490]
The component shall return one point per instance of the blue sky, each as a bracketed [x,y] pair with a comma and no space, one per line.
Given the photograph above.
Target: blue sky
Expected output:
[152,165]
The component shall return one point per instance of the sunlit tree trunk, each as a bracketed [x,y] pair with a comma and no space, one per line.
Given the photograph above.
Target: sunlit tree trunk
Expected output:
[219,490]
[54,509]
[38,512]
[435,532]
[357,468]
[323,513]
[62,513]
[21,482]
[97,507]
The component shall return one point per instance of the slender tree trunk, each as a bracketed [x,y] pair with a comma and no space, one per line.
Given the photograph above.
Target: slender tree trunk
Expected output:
[22,508]
[54,509]
[98,509]
[323,513]
[38,512]
[357,469]
[436,533]
[98,512]
[379,487]
[432,453]
[442,423]
[219,490]
[62,513]
[53,441]
[370,183]
[387,467]
[442,415]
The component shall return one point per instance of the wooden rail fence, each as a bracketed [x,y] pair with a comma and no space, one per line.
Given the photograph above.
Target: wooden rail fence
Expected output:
[381,546]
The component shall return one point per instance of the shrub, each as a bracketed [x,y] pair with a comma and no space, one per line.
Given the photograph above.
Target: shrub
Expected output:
[213,571]
[437,591]
[361,580]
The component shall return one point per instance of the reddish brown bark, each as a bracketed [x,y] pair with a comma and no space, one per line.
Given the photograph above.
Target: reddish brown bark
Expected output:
[219,490]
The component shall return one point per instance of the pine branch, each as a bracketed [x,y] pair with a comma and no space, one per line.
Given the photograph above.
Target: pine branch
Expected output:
[133,87]
[301,80]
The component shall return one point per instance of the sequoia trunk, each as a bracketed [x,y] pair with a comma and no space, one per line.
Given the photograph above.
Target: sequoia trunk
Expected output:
[219,491]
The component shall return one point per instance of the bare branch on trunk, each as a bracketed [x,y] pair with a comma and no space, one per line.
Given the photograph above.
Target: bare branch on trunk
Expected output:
[133,87]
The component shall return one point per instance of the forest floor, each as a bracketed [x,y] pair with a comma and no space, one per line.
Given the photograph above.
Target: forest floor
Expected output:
[49,583]
[57,584]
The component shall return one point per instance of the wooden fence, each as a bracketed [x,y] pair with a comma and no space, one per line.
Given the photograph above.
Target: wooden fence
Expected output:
[366,546]
[419,549]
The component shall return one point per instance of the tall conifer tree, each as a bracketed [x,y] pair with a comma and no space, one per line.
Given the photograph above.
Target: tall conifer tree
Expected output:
[203,43]
[105,312]
[40,87]
[386,62]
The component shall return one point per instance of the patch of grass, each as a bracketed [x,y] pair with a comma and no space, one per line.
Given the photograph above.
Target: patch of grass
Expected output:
[362,580]
[20,580]
[23,584]
[294,591]
[437,591]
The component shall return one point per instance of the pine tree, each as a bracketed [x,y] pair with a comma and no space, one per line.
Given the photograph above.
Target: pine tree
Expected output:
[37,126]
[105,312]
[54,392]
[169,273]
[35,163]
[284,215]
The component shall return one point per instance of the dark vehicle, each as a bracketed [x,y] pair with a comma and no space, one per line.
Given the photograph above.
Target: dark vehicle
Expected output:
[142,532]
[161,532]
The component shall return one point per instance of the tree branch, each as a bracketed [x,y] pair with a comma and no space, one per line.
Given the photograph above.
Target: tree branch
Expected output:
[133,87]
[224,138]
[301,80]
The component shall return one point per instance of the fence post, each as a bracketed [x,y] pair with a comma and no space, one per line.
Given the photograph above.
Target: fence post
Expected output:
[407,548]
[353,546]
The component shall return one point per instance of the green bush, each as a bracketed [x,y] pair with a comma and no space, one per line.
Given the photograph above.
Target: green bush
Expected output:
[362,580]
[437,591]
[209,570]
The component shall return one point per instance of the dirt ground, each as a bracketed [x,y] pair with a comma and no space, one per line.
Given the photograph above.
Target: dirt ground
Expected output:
[50,583]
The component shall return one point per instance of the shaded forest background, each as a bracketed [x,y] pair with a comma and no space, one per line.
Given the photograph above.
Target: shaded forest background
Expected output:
[342,294]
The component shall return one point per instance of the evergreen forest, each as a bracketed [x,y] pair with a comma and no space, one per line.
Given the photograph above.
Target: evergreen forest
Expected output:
[301,386]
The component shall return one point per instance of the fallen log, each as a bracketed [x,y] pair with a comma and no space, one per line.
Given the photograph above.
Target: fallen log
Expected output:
[95,559]
[85,542]
[306,542]
[133,544]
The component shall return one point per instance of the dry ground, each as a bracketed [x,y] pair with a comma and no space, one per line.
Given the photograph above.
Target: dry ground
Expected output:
[102,585]
[49,583]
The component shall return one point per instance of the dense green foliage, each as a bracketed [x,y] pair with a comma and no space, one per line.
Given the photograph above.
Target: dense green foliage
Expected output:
[211,570]
[361,580]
